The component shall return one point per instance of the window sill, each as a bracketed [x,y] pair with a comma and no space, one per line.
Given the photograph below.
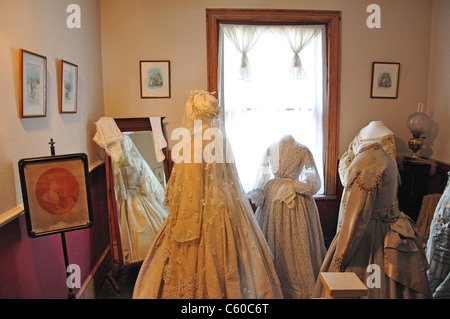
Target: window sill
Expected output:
[324,197]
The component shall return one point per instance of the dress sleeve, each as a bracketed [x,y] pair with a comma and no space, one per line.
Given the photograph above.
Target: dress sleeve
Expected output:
[264,176]
[309,180]
[356,215]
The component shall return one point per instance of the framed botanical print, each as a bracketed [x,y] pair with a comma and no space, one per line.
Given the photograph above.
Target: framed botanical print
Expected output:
[55,192]
[68,87]
[385,80]
[155,79]
[33,84]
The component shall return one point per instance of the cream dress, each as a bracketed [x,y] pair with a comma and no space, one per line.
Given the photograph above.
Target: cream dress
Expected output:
[373,236]
[139,199]
[210,246]
[288,215]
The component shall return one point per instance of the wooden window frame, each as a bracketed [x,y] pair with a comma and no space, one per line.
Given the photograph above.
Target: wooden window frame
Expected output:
[331,20]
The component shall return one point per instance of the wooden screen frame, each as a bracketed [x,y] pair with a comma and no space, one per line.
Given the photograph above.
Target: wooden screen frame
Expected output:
[331,20]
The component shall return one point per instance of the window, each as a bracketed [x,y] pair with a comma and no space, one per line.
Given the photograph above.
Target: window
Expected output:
[273,84]
[252,109]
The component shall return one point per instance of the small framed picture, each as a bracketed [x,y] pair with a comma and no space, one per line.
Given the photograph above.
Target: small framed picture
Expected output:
[55,192]
[385,79]
[155,79]
[68,87]
[33,84]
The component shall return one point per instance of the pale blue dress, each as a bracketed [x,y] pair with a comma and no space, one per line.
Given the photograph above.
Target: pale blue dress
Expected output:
[438,247]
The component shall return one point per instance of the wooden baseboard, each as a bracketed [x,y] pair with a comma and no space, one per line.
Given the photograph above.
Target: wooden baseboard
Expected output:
[93,283]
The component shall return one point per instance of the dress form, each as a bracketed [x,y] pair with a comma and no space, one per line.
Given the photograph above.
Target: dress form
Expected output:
[375,129]
[288,216]
[374,132]
[373,231]
[210,246]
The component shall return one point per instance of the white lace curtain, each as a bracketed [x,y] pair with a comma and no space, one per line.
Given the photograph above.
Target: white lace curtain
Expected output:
[244,38]
[270,102]
[298,38]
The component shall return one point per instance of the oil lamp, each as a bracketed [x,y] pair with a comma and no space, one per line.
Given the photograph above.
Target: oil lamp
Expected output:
[418,123]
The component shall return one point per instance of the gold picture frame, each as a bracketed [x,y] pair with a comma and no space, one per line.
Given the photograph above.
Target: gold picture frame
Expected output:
[33,84]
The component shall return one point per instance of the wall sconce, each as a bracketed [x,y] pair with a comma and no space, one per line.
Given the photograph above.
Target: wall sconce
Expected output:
[418,123]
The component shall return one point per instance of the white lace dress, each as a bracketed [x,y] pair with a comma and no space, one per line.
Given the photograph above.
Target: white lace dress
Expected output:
[210,246]
[288,215]
[139,198]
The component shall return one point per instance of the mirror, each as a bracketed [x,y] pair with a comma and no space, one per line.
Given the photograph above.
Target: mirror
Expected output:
[135,188]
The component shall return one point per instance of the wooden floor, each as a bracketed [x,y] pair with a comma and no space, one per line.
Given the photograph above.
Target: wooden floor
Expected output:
[125,281]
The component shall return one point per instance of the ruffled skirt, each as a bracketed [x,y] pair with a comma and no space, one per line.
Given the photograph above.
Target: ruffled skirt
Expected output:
[292,229]
[139,220]
[230,259]
[389,259]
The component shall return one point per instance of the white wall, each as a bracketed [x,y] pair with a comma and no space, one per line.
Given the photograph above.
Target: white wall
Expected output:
[40,26]
[116,34]
[438,106]
[136,30]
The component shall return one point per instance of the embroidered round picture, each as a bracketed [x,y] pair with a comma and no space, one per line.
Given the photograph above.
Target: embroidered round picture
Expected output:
[57,191]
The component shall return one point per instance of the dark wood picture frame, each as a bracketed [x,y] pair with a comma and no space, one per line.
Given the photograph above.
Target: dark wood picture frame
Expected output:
[385,80]
[68,87]
[154,78]
[55,192]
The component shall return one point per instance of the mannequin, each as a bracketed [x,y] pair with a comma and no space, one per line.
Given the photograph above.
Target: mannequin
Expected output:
[375,129]
[371,228]
[210,245]
[288,215]
[374,132]
[373,231]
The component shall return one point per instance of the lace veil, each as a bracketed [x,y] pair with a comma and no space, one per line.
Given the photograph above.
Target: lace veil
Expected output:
[131,171]
[204,177]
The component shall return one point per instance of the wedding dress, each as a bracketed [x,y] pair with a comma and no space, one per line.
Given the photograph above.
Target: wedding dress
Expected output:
[288,215]
[210,246]
[139,198]
[375,239]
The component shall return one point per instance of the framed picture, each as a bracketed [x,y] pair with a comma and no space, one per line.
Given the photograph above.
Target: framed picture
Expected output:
[385,78]
[55,192]
[33,84]
[155,79]
[68,87]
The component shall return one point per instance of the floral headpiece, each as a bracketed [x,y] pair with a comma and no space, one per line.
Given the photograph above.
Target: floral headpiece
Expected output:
[201,105]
